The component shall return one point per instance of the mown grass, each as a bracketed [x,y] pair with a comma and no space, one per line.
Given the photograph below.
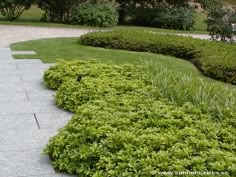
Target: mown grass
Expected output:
[50,50]
[200,24]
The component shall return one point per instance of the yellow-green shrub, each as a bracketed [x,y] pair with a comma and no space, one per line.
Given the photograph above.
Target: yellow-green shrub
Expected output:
[119,129]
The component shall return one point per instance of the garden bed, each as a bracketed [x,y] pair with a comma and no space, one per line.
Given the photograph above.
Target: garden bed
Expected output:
[120,128]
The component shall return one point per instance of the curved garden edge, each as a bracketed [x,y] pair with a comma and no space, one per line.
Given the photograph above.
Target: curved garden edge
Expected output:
[215,60]
[108,101]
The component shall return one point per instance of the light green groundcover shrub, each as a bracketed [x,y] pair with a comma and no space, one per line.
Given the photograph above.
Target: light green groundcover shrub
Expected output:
[214,59]
[119,129]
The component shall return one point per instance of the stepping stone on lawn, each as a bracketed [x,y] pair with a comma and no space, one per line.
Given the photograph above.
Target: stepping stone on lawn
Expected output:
[23,52]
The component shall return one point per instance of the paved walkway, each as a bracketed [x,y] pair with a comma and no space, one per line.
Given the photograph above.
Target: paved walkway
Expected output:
[28,118]
[12,33]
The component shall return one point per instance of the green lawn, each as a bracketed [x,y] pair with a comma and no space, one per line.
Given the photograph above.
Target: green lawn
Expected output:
[50,50]
[32,17]
[200,24]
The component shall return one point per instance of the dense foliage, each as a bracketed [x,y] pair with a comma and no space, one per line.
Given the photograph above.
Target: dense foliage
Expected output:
[147,12]
[12,9]
[216,99]
[181,18]
[57,10]
[119,129]
[220,24]
[98,14]
[216,60]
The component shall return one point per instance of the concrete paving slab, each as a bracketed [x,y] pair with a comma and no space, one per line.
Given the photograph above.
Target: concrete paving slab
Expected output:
[66,175]
[5,52]
[25,107]
[52,175]
[13,96]
[34,85]
[30,71]
[49,175]
[53,120]
[29,117]
[28,61]
[12,33]
[17,122]
[8,66]
[8,50]
[7,72]
[25,163]
[7,61]
[11,86]
[4,79]
[48,106]
[33,66]
[32,77]
[18,140]
[40,95]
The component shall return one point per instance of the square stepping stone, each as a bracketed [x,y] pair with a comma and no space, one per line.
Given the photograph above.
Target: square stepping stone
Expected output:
[28,61]
[32,66]
[23,52]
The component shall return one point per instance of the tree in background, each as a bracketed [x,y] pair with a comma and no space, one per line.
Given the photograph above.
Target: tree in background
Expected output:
[220,24]
[12,9]
[57,10]
[209,5]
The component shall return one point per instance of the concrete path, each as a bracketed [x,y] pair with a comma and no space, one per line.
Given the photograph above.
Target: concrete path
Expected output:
[12,33]
[28,118]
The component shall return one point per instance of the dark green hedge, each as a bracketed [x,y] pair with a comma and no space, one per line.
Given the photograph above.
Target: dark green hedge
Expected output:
[98,14]
[119,129]
[214,59]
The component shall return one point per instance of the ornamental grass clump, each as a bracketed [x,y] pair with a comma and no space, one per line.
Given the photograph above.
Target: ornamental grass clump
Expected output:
[213,98]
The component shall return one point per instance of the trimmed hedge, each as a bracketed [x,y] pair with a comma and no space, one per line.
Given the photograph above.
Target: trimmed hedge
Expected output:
[214,59]
[119,129]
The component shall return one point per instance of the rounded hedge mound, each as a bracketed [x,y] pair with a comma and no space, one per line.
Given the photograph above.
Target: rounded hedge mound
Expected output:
[119,129]
[216,60]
